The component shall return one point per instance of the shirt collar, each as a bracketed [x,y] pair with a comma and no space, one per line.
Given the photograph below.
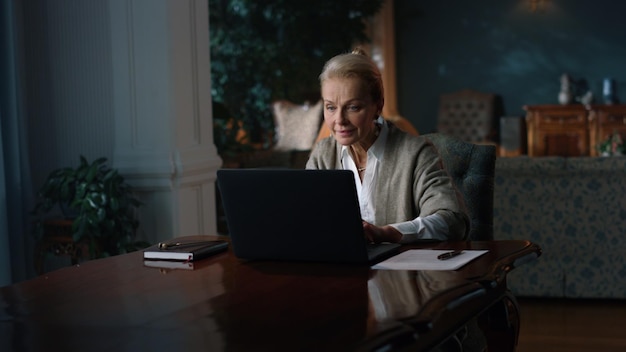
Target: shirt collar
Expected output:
[378,148]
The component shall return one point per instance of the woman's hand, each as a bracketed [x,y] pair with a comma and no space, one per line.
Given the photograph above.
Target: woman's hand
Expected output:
[378,234]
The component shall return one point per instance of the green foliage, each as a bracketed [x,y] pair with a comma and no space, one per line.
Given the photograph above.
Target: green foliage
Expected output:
[225,130]
[612,145]
[266,50]
[100,203]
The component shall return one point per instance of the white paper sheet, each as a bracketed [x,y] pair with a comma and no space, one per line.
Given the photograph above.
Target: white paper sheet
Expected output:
[426,259]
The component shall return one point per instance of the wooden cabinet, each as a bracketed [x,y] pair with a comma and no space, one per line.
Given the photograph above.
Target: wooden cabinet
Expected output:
[558,130]
[571,130]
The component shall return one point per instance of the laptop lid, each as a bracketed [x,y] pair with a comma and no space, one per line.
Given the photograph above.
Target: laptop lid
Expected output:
[295,215]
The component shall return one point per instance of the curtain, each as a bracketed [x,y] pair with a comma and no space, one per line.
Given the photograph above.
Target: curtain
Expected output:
[15,241]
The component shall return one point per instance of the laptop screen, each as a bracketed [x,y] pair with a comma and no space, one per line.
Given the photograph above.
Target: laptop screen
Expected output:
[288,214]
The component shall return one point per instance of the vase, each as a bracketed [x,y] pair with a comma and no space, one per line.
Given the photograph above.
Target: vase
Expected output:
[565,97]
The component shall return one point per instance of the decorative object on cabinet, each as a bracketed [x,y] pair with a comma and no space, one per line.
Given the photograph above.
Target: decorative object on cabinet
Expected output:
[609,91]
[566,96]
[613,145]
[574,91]
[582,93]
[587,98]
[610,119]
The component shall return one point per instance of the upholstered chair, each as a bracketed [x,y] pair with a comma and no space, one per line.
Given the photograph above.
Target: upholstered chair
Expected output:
[468,115]
[472,167]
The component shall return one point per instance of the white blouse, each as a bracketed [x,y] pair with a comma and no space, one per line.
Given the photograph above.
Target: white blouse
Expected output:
[428,227]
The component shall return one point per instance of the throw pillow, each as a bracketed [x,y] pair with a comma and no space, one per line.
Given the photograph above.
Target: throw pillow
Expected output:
[296,125]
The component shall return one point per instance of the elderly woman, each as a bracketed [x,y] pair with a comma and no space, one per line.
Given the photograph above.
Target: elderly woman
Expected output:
[404,192]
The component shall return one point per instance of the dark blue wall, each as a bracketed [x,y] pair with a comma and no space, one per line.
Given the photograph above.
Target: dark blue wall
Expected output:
[503,47]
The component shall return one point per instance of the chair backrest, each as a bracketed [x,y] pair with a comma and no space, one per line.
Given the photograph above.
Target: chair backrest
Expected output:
[472,167]
[468,115]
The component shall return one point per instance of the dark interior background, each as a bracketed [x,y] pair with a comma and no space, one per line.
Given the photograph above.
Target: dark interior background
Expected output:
[504,47]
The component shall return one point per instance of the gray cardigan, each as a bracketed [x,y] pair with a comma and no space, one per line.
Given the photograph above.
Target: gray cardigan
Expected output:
[412,181]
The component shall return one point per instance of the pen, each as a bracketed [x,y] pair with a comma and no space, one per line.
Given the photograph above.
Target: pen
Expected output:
[449,255]
[168,245]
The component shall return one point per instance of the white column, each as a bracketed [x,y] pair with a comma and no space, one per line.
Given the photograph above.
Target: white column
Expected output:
[162,108]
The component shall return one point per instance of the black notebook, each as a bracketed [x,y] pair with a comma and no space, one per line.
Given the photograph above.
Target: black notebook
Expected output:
[185,251]
[296,215]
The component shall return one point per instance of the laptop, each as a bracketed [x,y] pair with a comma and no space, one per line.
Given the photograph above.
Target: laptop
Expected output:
[296,215]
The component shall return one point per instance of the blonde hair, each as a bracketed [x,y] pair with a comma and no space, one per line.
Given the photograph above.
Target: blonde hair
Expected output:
[356,64]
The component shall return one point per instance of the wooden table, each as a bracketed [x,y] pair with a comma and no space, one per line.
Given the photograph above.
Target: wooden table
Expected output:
[225,304]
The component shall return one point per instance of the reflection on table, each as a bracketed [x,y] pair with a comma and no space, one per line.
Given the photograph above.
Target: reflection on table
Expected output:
[224,304]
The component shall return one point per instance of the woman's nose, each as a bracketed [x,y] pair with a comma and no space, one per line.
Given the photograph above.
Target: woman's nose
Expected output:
[341,118]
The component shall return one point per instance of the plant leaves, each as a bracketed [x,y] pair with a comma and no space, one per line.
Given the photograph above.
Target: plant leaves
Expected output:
[104,202]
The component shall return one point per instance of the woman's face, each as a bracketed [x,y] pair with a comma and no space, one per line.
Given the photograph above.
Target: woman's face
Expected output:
[349,111]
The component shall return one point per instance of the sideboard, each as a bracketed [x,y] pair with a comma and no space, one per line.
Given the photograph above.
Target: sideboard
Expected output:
[571,130]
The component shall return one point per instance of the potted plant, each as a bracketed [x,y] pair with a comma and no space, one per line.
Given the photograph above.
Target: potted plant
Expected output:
[100,204]
[612,145]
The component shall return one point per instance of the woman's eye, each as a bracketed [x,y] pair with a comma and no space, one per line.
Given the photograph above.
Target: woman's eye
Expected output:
[330,108]
[353,107]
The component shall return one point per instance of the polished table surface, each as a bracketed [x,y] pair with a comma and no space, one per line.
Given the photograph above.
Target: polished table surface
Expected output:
[225,304]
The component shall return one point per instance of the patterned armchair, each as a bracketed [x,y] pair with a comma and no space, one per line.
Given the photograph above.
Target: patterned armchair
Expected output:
[468,115]
[472,167]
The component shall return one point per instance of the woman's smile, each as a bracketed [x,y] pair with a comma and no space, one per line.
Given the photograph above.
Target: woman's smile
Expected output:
[345,132]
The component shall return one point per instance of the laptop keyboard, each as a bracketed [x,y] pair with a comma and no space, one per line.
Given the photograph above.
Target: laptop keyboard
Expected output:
[375,250]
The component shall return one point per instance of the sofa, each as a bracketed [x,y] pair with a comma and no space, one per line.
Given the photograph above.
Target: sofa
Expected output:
[575,209]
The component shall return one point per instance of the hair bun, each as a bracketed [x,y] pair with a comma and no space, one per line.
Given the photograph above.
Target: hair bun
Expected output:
[359,51]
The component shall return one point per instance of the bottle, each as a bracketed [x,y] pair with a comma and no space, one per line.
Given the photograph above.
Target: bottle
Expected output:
[609,91]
